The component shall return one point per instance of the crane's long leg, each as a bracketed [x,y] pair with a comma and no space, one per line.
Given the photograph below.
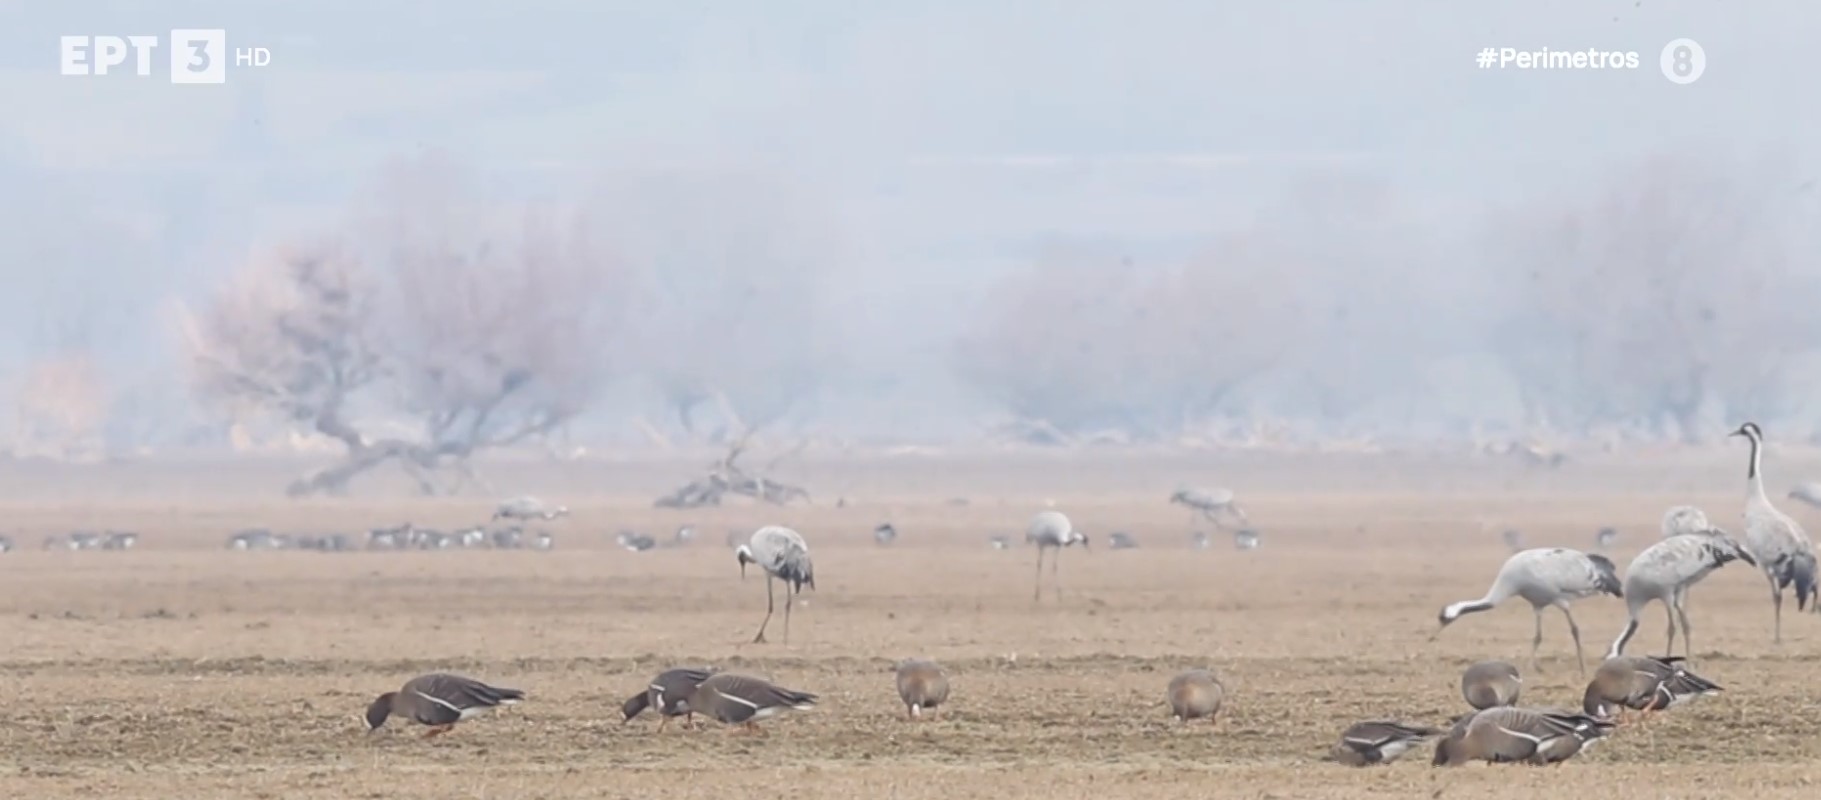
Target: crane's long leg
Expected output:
[1688,636]
[789,598]
[1056,573]
[770,604]
[1575,631]
[1538,641]
[1039,595]
[1669,610]
[1776,603]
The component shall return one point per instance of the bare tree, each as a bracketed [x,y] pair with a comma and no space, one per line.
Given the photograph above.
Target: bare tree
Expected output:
[1671,296]
[429,334]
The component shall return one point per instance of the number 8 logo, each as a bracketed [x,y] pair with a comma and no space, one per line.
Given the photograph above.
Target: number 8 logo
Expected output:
[1683,61]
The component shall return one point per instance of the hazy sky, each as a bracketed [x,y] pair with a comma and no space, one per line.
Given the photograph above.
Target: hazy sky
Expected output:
[938,143]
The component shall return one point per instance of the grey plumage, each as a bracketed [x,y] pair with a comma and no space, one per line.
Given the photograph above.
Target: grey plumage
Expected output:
[783,555]
[1246,539]
[1667,569]
[439,700]
[1195,694]
[1642,683]
[885,533]
[744,700]
[1780,546]
[1544,577]
[636,542]
[667,694]
[1210,503]
[1605,538]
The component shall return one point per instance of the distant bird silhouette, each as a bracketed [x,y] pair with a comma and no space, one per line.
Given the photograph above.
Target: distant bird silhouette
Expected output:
[1210,503]
[885,533]
[1000,542]
[1120,540]
[1200,540]
[1246,539]
[525,508]
[636,542]
[1605,538]
[1050,529]
[784,556]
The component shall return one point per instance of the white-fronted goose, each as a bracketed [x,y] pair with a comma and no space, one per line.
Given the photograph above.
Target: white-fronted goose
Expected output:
[1379,742]
[744,700]
[669,694]
[1195,694]
[439,700]
[1642,683]
[921,685]
[1491,683]
[1505,734]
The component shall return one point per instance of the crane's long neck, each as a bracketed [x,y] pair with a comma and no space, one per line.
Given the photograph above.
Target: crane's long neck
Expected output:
[1754,476]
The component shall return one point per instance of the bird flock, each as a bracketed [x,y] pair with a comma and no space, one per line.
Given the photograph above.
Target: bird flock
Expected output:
[1622,689]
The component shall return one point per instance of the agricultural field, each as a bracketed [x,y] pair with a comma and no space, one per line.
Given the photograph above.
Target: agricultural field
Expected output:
[181,669]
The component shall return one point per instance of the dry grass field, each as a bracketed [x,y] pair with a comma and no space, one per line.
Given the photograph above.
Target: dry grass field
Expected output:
[182,670]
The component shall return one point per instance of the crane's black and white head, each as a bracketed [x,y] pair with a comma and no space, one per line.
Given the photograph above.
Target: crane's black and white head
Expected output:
[1749,430]
[744,556]
[1076,537]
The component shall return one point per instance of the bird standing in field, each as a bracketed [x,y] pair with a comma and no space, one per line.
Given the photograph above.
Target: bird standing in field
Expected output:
[784,556]
[1209,503]
[921,685]
[885,533]
[1665,571]
[1379,742]
[668,695]
[1195,694]
[1489,684]
[526,507]
[1553,576]
[439,700]
[1782,549]
[744,700]
[1644,684]
[1504,734]
[1050,529]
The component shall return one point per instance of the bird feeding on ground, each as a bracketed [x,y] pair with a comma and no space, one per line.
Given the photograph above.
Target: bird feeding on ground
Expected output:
[1665,571]
[439,700]
[1554,576]
[1051,529]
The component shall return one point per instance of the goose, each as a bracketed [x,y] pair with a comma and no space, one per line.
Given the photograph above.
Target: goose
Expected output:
[743,700]
[1195,694]
[636,542]
[439,700]
[668,694]
[1665,571]
[1553,576]
[1379,742]
[1489,684]
[1781,547]
[922,685]
[1506,734]
[885,533]
[1643,683]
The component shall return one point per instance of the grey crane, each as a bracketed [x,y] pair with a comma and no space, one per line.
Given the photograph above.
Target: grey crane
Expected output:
[1665,571]
[1051,529]
[1782,549]
[1551,576]
[1210,503]
[1685,520]
[525,508]
[784,556]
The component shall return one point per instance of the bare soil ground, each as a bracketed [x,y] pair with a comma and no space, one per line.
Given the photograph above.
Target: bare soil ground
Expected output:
[182,670]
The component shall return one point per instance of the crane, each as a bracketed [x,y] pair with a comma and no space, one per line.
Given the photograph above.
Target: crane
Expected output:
[784,556]
[1051,529]
[1551,576]
[1782,549]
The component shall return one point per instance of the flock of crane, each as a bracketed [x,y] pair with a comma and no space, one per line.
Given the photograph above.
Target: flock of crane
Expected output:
[1495,730]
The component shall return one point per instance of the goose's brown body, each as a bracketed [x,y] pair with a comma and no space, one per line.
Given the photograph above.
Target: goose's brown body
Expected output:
[922,685]
[439,700]
[668,694]
[744,700]
[1196,694]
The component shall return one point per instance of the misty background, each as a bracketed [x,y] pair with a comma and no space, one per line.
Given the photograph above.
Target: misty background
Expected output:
[1187,223]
